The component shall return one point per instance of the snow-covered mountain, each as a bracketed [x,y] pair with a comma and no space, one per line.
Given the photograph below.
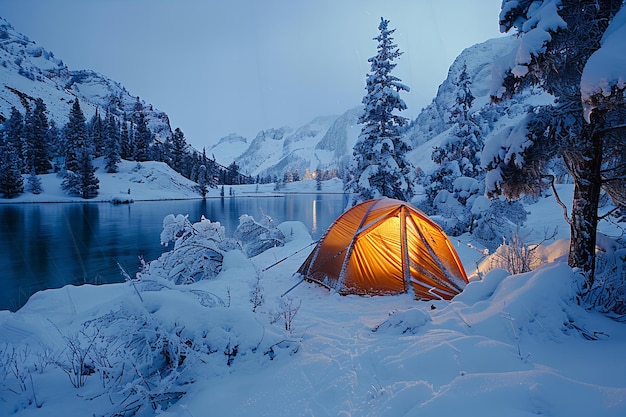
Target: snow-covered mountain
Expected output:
[28,72]
[320,144]
[326,142]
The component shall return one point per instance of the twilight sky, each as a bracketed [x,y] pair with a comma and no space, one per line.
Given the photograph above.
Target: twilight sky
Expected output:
[240,66]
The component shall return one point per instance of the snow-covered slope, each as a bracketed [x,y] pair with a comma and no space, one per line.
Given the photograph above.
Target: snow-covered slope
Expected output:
[28,72]
[228,148]
[134,181]
[479,59]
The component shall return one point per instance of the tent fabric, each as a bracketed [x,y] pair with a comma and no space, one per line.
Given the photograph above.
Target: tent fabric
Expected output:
[386,246]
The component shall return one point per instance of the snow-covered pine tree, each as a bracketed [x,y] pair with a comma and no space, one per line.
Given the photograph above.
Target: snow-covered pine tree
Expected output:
[55,143]
[126,146]
[11,180]
[36,146]
[83,182]
[177,148]
[142,138]
[111,143]
[207,176]
[14,133]
[95,129]
[33,182]
[75,137]
[79,178]
[458,160]
[584,128]
[89,181]
[232,174]
[202,186]
[380,168]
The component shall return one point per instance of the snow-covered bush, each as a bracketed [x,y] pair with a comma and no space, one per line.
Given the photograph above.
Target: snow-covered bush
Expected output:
[197,254]
[495,220]
[256,294]
[15,374]
[454,208]
[287,311]
[608,293]
[256,237]
[33,183]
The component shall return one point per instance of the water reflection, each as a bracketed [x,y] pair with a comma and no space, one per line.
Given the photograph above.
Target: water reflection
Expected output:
[51,245]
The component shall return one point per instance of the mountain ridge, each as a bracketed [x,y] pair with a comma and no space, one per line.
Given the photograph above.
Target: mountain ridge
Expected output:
[28,71]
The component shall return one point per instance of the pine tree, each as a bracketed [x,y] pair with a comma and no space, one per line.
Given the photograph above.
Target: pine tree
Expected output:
[14,135]
[97,136]
[36,144]
[142,138]
[34,183]
[459,155]
[54,142]
[232,174]
[83,182]
[75,137]
[79,178]
[178,150]
[380,167]
[213,170]
[202,187]
[126,148]
[11,180]
[111,144]
[318,180]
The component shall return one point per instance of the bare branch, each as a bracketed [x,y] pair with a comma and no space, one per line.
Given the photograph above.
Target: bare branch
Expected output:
[558,199]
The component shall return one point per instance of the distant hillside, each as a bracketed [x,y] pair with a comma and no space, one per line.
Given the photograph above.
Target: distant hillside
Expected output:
[28,72]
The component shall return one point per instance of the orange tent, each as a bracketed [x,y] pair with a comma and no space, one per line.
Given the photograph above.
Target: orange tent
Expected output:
[380,247]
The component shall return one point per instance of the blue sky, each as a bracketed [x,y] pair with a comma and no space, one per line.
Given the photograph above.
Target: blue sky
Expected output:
[240,66]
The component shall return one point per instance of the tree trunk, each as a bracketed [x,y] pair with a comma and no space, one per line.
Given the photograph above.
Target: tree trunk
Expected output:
[585,169]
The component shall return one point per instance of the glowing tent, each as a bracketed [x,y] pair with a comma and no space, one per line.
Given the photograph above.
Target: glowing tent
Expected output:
[386,246]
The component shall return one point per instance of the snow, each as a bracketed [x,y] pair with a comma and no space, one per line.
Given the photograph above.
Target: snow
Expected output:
[606,67]
[509,345]
[542,20]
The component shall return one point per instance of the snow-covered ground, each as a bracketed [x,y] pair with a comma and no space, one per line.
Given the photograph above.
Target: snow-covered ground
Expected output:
[509,345]
[150,181]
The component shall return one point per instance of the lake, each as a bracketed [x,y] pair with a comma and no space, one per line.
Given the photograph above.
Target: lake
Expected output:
[52,245]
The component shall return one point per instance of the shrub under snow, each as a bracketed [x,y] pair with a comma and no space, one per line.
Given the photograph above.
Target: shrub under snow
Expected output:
[197,254]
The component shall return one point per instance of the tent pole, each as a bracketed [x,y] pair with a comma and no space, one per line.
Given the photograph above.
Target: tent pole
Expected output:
[406,268]
[290,289]
[287,257]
